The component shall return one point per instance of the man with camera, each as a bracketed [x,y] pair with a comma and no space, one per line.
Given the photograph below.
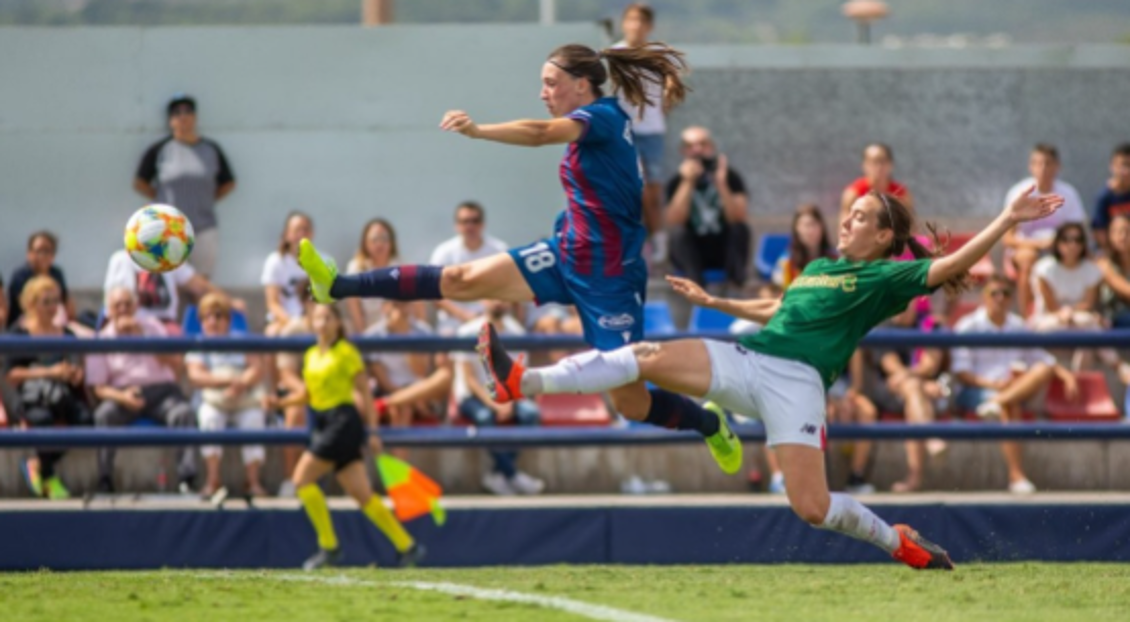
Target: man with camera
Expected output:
[706,212]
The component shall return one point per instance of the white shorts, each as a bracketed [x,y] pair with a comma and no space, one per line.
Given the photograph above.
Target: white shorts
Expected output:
[787,396]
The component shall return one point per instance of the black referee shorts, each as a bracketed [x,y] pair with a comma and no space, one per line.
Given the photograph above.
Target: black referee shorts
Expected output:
[339,435]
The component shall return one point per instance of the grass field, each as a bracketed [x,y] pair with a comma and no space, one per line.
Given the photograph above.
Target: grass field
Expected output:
[1002,592]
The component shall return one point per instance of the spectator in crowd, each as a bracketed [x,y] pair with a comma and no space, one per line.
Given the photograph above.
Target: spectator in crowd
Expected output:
[878,164]
[377,249]
[395,370]
[1027,242]
[808,241]
[41,249]
[1115,197]
[1066,283]
[190,172]
[3,308]
[475,404]
[550,319]
[288,384]
[134,385]
[905,380]
[469,244]
[997,381]
[157,293]
[649,127]
[847,403]
[707,207]
[282,274]
[48,386]
[1115,266]
[230,393]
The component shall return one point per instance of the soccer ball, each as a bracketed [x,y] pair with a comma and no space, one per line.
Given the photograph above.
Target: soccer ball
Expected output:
[159,238]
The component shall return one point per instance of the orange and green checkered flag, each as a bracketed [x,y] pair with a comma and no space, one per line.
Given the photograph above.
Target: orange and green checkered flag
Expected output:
[413,494]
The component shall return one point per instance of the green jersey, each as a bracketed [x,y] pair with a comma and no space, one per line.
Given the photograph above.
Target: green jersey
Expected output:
[832,305]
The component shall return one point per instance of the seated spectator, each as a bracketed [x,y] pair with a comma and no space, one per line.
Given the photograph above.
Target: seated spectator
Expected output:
[3,308]
[282,274]
[1115,197]
[707,207]
[475,404]
[287,384]
[470,243]
[230,393]
[396,370]
[847,403]
[550,319]
[378,249]
[1025,243]
[157,293]
[1114,296]
[42,247]
[995,382]
[902,380]
[132,385]
[808,240]
[48,386]
[878,164]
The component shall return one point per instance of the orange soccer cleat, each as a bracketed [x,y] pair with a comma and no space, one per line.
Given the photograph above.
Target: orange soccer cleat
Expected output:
[919,553]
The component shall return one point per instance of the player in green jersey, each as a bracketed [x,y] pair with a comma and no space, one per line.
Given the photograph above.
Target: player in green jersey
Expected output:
[781,374]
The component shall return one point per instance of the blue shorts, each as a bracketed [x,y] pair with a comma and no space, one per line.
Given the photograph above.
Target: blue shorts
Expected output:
[611,314]
[969,398]
[650,148]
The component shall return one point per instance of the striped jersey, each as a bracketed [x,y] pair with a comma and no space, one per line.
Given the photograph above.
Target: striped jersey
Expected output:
[601,229]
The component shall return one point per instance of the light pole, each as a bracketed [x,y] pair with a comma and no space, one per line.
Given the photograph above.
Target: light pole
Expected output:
[863,12]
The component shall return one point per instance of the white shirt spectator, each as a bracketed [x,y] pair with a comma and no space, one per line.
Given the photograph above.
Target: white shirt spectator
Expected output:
[399,369]
[1070,285]
[652,121]
[454,252]
[459,389]
[283,270]
[157,293]
[1044,228]
[994,364]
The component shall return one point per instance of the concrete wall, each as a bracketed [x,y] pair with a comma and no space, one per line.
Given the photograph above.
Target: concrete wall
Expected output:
[338,121]
[341,122]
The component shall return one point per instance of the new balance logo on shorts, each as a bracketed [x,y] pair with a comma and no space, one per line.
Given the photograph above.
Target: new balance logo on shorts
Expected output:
[740,349]
[808,428]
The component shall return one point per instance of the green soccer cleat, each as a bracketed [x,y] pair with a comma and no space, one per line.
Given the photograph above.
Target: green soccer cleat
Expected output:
[321,270]
[724,445]
[56,491]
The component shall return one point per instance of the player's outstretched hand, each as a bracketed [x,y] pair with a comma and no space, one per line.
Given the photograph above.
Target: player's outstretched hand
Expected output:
[690,290]
[459,121]
[1028,207]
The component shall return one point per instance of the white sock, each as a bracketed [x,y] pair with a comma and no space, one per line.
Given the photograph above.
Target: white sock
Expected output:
[852,518]
[587,372]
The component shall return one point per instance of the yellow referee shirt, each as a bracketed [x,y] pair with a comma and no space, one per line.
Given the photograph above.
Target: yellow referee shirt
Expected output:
[329,375]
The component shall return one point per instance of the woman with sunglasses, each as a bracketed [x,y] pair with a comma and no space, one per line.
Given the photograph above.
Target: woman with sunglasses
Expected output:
[782,372]
[593,260]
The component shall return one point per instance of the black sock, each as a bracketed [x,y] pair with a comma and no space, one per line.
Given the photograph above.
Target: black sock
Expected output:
[676,412]
[392,283]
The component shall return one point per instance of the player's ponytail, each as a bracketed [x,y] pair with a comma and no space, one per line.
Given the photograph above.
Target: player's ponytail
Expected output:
[896,216]
[630,69]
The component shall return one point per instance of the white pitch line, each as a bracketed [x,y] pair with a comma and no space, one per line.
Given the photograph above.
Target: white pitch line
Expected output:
[568,605]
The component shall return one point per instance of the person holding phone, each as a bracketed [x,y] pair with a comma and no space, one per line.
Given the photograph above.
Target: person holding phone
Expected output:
[707,207]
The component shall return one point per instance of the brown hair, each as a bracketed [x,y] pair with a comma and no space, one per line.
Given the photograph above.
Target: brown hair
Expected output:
[798,254]
[474,206]
[214,302]
[629,68]
[394,251]
[33,289]
[896,216]
[340,322]
[1048,150]
[284,246]
[1061,233]
[644,9]
[886,150]
[46,235]
[1117,256]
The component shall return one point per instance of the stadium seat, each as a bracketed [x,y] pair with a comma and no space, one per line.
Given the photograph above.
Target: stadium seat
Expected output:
[710,320]
[713,277]
[657,318]
[1094,403]
[769,250]
[191,323]
[573,410]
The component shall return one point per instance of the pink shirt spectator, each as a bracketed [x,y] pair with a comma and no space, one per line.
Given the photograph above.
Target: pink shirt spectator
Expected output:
[123,369]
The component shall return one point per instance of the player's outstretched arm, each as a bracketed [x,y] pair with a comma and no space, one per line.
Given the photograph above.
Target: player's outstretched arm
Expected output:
[1024,208]
[759,310]
[524,132]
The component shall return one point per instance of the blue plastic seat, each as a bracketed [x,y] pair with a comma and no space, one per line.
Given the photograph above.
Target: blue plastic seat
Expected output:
[657,318]
[191,323]
[713,277]
[710,320]
[769,249]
